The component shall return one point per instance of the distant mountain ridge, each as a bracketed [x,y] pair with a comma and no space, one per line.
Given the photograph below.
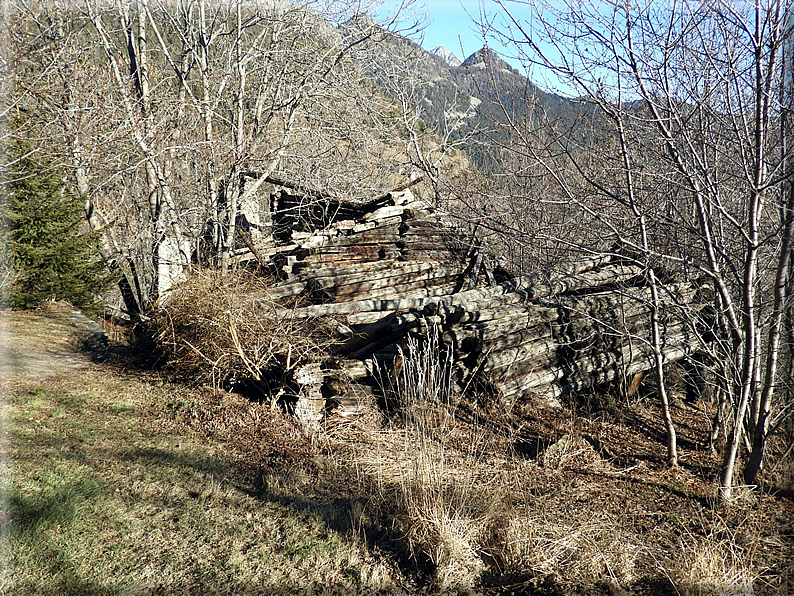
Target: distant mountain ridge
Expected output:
[463,99]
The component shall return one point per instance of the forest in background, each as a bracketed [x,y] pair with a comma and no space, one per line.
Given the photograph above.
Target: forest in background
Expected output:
[152,126]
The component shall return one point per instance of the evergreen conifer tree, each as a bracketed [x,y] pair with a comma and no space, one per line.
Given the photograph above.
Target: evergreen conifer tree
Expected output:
[50,258]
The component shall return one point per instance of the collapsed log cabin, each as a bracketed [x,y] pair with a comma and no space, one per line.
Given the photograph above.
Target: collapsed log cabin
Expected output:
[394,267]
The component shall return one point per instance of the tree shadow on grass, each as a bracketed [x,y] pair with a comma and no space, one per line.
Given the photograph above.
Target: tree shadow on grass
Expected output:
[42,519]
[36,520]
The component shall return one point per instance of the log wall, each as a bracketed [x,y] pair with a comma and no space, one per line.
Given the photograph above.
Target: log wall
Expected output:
[396,267]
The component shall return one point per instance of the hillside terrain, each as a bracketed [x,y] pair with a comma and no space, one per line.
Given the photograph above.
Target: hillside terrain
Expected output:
[471,100]
[386,322]
[119,481]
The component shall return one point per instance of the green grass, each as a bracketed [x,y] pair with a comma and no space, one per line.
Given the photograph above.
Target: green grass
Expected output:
[107,496]
[116,483]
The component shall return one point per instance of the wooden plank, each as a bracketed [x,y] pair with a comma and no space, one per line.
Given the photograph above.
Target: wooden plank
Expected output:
[427,236]
[345,252]
[533,381]
[488,340]
[521,289]
[425,247]
[286,290]
[345,287]
[367,318]
[307,271]
[494,312]
[349,258]
[527,317]
[589,371]
[514,290]
[384,222]
[415,289]
[387,236]
[509,356]
[384,212]
[443,255]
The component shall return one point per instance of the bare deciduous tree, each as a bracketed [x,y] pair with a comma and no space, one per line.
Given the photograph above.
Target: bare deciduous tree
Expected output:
[173,116]
[697,176]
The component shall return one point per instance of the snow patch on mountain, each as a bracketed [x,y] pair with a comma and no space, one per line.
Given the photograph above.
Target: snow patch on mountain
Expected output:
[448,57]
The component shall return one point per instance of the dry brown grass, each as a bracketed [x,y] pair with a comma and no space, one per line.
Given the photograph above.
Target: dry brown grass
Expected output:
[593,511]
[216,327]
[204,490]
[716,565]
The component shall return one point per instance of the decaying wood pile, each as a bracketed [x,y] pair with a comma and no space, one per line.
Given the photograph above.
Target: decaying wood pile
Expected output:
[395,267]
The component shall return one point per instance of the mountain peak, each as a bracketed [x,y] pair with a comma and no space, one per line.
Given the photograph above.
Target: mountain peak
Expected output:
[447,56]
[482,57]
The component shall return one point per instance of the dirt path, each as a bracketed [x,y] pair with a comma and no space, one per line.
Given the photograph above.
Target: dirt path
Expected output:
[38,345]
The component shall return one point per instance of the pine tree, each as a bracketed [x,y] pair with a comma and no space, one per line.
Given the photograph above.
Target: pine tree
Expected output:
[52,260]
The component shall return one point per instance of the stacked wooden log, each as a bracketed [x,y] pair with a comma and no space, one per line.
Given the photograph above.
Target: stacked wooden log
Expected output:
[397,267]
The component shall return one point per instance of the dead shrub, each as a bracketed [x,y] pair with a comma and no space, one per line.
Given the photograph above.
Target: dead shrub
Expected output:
[578,548]
[718,564]
[436,491]
[217,327]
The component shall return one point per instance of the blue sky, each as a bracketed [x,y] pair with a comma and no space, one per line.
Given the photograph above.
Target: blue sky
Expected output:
[451,26]
[448,23]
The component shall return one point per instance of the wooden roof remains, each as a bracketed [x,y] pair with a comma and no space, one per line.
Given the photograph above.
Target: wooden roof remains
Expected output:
[396,267]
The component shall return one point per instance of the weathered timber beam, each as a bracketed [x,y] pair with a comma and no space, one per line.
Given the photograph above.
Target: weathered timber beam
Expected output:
[384,212]
[673,333]
[525,317]
[627,298]
[509,356]
[530,381]
[423,247]
[376,336]
[412,181]
[367,318]
[587,371]
[342,368]
[519,290]
[307,271]
[345,287]
[357,205]
[597,362]
[382,253]
[286,290]
[515,290]
[584,380]
[307,238]
[348,231]
[428,287]
[468,341]
[380,235]
[431,234]
[375,224]
[493,312]
[361,284]
[332,252]
[296,284]
[357,306]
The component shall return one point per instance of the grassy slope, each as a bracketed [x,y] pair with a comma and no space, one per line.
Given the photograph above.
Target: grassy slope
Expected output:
[111,492]
[122,484]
